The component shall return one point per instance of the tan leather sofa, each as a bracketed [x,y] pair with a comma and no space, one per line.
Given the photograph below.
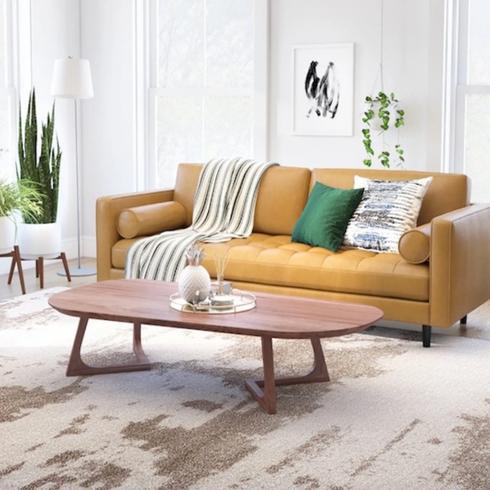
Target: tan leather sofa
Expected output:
[441,273]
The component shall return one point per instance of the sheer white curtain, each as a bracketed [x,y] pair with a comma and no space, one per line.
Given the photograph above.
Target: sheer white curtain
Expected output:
[202,97]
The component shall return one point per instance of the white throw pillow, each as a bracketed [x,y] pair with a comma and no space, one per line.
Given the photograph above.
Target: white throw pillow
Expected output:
[387,210]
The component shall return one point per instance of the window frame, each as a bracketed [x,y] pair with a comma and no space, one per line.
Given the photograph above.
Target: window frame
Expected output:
[148,91]
[456,85]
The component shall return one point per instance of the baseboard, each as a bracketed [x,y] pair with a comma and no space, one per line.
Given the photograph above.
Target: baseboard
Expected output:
[89,247]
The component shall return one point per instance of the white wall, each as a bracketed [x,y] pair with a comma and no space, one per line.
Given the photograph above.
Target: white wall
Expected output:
[413,68]
[108,118]
[412,65]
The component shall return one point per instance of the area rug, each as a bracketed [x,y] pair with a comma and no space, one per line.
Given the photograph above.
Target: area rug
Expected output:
[394,415]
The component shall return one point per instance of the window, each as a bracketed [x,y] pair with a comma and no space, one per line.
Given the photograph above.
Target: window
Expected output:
[471,113]
[204,79]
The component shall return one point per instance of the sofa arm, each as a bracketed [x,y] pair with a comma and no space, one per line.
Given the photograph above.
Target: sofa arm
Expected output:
[414,245]
[107,213]
[459,264]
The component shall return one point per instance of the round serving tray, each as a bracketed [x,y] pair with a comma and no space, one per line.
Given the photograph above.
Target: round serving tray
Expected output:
[241,302]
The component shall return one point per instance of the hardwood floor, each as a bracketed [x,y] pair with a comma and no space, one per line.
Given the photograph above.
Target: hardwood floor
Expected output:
[51,278]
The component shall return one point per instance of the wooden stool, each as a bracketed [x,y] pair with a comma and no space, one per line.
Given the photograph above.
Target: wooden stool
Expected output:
[40,268]
[16,261]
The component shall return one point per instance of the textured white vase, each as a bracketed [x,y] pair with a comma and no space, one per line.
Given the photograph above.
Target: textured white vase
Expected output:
[7,234]
[192,279]
[36,240]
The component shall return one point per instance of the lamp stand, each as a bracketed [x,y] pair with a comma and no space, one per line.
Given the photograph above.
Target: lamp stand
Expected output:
[79,271]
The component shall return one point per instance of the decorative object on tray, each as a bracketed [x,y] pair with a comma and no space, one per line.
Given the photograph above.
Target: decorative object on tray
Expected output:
[223,288]
[221,263]
[236,302]
[323,89]
[194,281]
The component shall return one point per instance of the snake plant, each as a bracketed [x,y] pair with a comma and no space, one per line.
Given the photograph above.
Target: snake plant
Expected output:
[43,169]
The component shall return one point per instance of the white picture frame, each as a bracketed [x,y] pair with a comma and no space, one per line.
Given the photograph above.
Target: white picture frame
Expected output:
[323,89]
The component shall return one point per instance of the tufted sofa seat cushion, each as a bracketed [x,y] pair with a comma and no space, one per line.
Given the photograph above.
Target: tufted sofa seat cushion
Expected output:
[275,260]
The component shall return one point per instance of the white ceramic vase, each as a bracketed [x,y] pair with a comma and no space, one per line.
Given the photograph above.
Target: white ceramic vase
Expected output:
[36,240]
[7,234]
[192,280]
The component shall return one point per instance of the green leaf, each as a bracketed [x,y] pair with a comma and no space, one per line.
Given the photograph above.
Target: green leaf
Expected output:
[42,169]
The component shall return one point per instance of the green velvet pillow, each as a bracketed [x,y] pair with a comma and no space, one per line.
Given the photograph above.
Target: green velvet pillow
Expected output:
[326,216]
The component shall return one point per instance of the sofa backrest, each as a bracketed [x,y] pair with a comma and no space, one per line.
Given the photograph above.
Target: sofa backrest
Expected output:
[446,192]
[283,193]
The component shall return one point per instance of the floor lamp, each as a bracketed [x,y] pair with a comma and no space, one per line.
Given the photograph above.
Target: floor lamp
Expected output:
[72,79]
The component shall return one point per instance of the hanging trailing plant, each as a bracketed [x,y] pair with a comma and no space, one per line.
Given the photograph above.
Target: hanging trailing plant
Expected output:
[381,111]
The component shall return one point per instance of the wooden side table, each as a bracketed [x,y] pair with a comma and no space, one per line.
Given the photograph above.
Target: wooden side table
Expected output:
[16,261]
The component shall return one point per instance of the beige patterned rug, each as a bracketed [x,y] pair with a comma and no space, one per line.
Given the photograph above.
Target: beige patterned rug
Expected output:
[394,416]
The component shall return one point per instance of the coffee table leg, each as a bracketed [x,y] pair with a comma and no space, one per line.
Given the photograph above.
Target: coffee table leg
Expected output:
[264,391]
[76,366]
[137,347]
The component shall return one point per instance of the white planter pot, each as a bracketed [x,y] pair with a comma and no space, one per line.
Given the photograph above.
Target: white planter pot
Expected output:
[36,240]
[194,283]
[7,234]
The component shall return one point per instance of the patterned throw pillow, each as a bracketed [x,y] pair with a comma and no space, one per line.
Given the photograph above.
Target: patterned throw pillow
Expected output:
[387,210]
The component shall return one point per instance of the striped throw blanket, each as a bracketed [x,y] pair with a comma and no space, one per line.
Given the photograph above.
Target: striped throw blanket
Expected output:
[224,207]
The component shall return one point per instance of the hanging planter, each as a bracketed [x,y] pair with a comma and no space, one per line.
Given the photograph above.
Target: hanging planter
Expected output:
[382,119]
[382,115]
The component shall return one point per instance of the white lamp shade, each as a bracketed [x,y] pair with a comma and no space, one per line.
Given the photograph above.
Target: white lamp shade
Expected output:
[72,79]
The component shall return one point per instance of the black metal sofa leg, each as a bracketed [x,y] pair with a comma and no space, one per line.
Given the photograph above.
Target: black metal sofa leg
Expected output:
[463,320]
[426,335]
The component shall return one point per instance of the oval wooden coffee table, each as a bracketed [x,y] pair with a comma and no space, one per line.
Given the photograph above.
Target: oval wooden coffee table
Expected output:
[147,302]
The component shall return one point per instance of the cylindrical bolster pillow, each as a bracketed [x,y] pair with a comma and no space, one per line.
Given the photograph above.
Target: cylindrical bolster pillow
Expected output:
[151,219]
[414,245]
